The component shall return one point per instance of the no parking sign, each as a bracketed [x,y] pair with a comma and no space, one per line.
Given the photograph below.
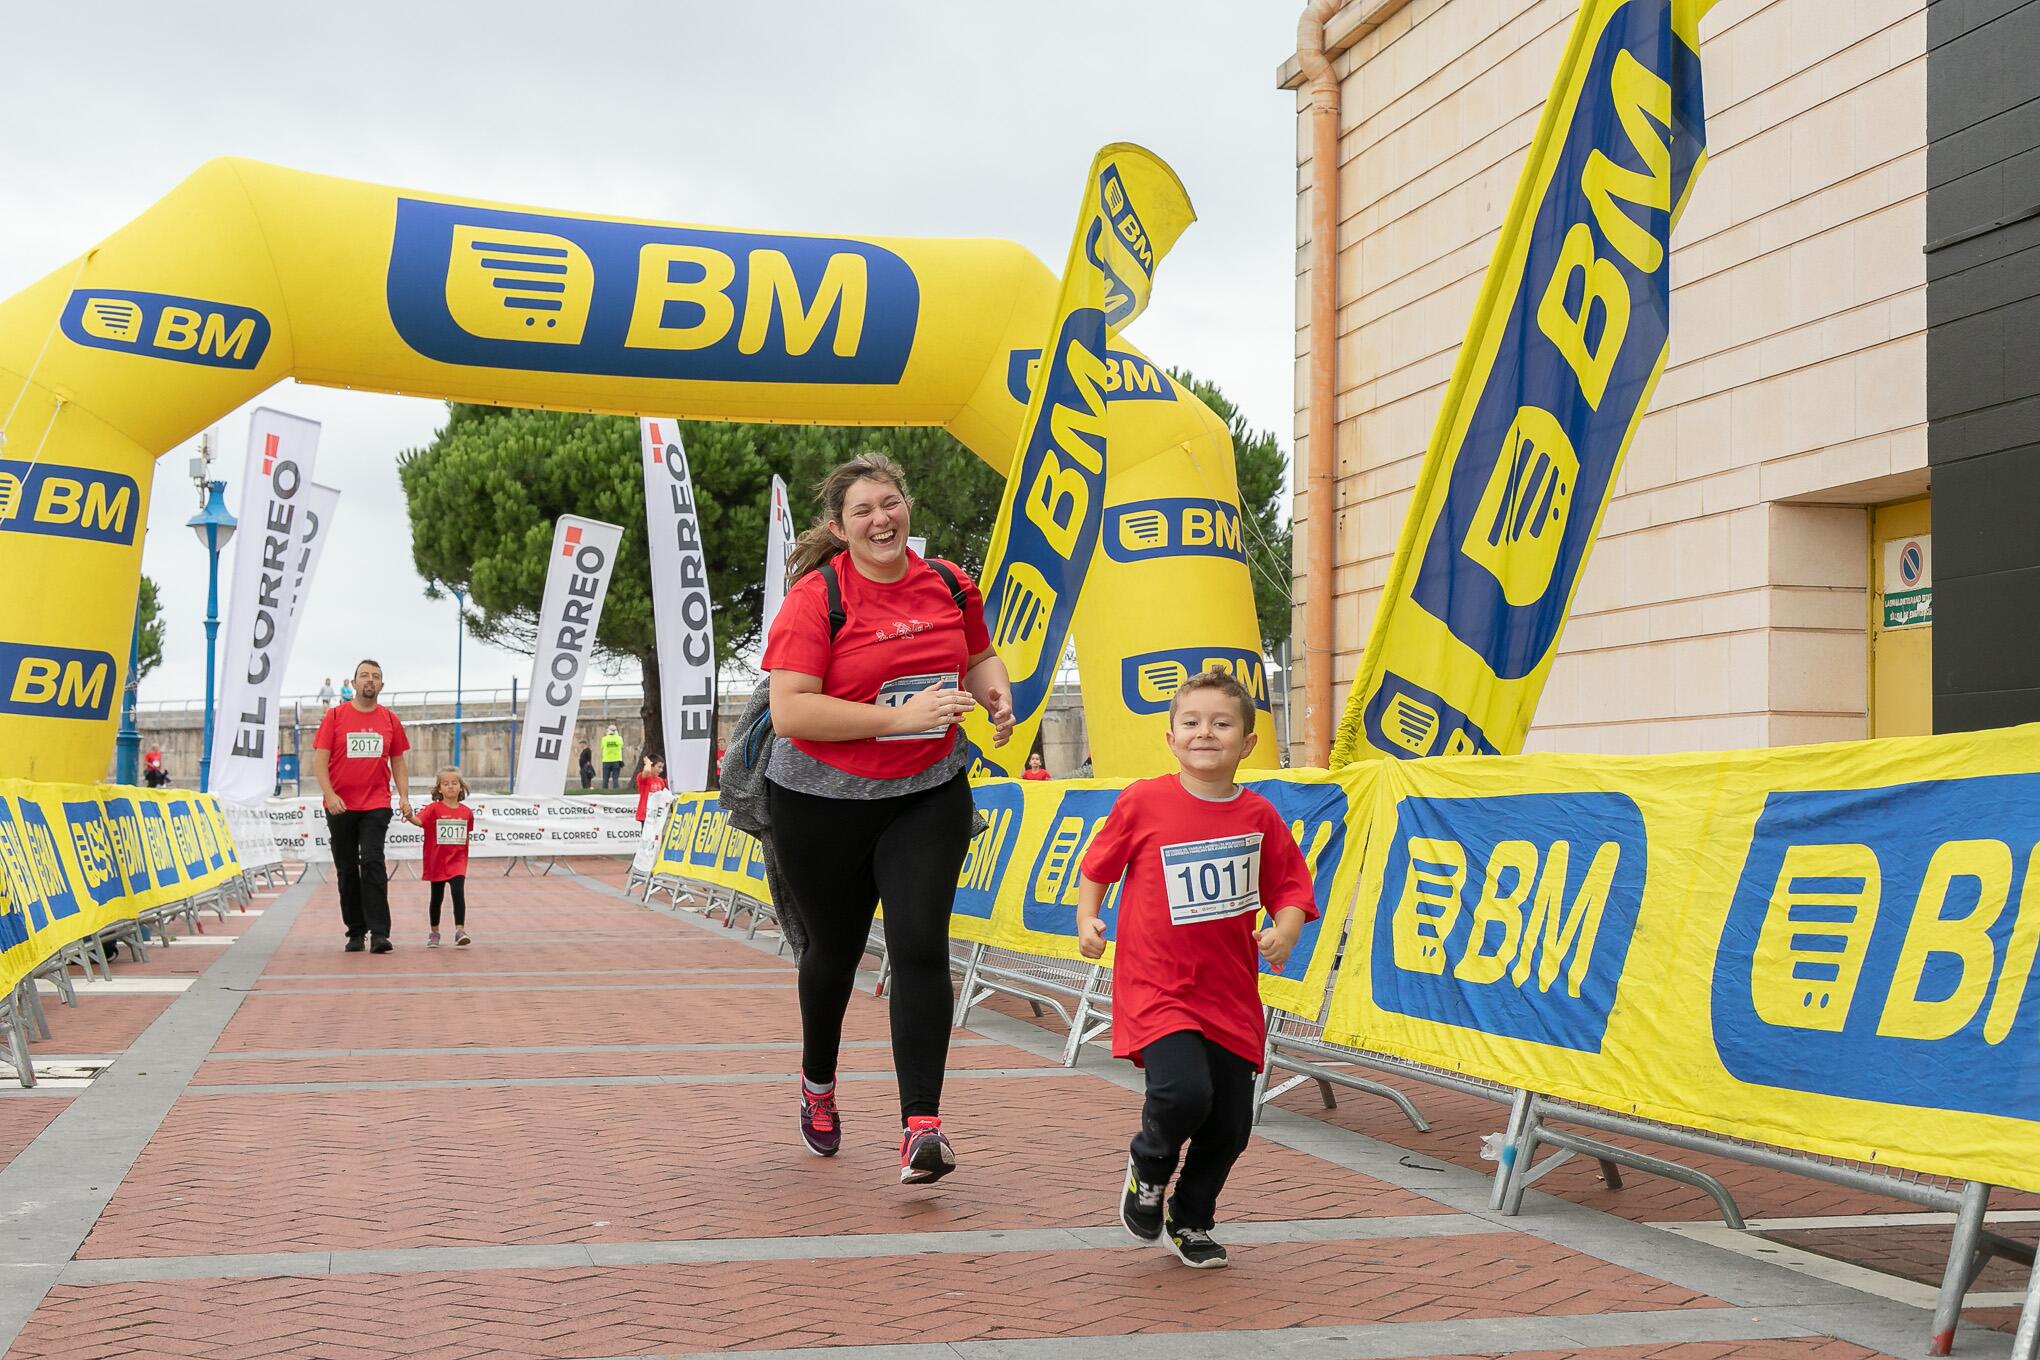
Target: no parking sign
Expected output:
[1909,581]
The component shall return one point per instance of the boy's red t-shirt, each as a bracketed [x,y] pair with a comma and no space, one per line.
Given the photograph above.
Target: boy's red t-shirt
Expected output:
[360,747]
[647,785]
[899,638]
[446,839]
[1198,875]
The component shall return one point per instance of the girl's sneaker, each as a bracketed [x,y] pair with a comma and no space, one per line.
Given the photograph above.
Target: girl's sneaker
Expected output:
[820,1129]
[1140,1205]
[1194,1247]
[925,1155]
[460,935]
[432,940]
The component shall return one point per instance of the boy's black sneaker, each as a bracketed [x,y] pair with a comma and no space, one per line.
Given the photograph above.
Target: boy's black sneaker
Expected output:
[382,945]
[1194,1248]
[1140,1205]
[355,944]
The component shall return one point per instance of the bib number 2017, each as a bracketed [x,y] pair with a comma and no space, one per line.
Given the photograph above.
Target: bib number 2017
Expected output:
[364,745]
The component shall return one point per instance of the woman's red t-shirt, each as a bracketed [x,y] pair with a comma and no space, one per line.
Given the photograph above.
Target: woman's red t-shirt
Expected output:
[446,839]
[647,785]
[1198,875]
[898,638]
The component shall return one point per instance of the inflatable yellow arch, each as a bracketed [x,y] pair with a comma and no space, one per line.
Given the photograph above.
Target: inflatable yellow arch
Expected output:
[249,273]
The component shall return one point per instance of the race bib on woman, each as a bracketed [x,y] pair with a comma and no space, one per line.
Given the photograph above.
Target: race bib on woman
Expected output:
[1212,880]
[896,693]
[364,746]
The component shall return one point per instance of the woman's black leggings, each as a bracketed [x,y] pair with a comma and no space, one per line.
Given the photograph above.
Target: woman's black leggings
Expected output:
[459,885]
[840,856]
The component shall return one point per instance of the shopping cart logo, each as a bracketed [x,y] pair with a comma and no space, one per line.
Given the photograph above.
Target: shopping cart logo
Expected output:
[1881,945]
[1020,627]
[1406,720]
[1520,523]
[503,284]
[109,318]
[1511,915]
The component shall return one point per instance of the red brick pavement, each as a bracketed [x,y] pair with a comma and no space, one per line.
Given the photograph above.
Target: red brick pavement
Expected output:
[482,1067]
[1917,1252]
[22,1118]
[1458,1122]
[523,1165]
[99,1023]
[867,1301]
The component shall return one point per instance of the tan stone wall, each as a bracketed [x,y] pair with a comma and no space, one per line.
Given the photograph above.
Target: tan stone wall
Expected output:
[1725,604]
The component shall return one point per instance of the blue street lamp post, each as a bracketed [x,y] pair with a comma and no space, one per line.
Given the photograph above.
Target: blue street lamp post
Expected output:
[214,525]
[127,747]
[459,638]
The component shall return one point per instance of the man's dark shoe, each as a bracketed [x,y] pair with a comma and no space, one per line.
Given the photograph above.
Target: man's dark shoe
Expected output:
[355,944]
[382,945]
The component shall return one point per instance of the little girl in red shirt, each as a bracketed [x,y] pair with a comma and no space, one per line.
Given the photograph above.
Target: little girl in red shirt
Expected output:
[447,823]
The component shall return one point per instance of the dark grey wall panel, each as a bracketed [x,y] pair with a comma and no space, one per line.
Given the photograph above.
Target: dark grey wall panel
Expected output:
[1983,358]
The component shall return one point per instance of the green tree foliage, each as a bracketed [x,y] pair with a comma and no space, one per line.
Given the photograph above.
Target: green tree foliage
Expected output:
[152,629]
[484,494]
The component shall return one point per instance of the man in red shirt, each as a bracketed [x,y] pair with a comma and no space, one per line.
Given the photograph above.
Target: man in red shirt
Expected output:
[358,753]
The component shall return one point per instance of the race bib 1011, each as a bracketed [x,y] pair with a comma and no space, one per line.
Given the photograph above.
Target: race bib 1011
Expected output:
[1211,880]
[451,831]
[896,693]
[364,745]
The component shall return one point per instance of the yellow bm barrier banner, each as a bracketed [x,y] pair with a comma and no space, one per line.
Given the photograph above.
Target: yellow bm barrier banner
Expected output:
[1829,948]
[76,858]
[246,274]
[1018,886]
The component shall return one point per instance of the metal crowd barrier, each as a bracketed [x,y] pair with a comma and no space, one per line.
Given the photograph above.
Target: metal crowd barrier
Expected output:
[1081,993]
[21,1010]
[1299,1047]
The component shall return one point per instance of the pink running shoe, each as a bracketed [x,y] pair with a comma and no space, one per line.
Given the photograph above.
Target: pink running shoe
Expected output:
[925,1155]
[820,1129]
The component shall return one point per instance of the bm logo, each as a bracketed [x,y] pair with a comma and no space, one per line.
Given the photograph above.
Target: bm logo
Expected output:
[68,502]
[1407,721]
[1149,680]
[1049,901]
[1512,915]
[984,866]
[56,682]
[494,289]
[166,326]
[1881,944]
[1173,527]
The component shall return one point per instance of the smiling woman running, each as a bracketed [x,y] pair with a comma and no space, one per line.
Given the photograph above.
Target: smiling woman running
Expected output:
[875,657]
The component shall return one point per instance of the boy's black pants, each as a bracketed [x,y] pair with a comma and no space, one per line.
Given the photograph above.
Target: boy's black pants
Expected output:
[1201,1094]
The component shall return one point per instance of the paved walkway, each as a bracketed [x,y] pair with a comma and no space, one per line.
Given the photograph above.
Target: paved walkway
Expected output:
[575,1139]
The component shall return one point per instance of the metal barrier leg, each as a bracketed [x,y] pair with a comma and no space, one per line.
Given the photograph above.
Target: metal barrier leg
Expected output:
[1075,1044]
[2026,1344]
[966,995]
[1964,1263]
[1512,1145]
[36,1012]
[17,1041]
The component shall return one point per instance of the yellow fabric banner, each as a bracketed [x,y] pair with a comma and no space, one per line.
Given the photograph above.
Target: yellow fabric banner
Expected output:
[1049,526]
[1565,347]
[1828,948]
[77,858]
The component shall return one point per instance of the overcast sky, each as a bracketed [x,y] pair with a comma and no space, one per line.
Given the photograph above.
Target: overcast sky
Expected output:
[912,119]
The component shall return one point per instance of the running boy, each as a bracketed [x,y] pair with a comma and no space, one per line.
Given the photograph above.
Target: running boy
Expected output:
[1200,859]
[447,822]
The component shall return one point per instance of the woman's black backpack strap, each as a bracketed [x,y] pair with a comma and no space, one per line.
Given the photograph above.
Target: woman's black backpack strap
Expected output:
[834,585]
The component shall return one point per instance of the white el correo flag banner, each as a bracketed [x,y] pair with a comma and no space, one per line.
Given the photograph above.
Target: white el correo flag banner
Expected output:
[316,507]
[583,558]
[281,450]
[681,612]
[779,536]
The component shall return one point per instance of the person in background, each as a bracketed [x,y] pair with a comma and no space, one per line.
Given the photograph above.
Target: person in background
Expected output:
[326,693]
[153,773]
[1037,768]
[587,767]
[356,757]
[612,758]
[346,691]
[447,822]
[651,777]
